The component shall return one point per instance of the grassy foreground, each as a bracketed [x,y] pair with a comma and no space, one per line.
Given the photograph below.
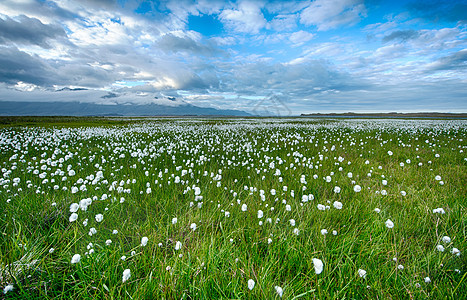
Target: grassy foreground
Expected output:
[264,200]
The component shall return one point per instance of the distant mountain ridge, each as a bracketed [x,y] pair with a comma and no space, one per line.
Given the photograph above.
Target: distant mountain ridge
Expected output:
[391,114]
[16,108]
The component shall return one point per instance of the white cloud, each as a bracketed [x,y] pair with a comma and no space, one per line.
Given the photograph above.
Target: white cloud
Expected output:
[329,14]
[300,37]
[283,22]
[247,18]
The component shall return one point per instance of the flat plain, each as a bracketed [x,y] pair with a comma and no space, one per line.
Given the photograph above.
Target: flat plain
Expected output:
[254,208]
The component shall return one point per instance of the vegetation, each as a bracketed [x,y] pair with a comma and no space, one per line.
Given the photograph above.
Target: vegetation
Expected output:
[233,208]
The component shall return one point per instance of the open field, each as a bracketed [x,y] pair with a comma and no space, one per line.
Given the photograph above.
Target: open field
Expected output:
[233,208]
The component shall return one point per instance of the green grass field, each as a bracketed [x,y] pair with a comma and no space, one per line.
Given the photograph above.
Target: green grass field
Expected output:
[269,199]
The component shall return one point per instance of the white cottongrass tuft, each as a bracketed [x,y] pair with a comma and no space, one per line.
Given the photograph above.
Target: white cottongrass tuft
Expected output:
[279,290]
[296,231]
[446,239]
[7,288]
[439,210]
[357,188]
[73,217]
[318,264]
[427,280]
[440,248]
[178,245]
[174,221]
[76,259]
[362,273]
[456,251]
[126,275]
[377,210]
[337,189]
[244,207]
[74,207]
[99,217]
[324,231]
[337,205]
[389,224]
[251,284]
[260,214]
[144,241]
[193,226]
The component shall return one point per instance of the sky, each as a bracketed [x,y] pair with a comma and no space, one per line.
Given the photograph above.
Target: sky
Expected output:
[263,57]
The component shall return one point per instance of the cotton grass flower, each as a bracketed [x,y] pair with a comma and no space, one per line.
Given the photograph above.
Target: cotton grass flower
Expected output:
[260,214]
[76,259]
[178,245]
[99,218]
[296,231]
[455,251]
[337,205]
[126,275]
[440,248]
[73,217]
[74,207]
[7,288]
[193,226]
[279,291]
[324,231]
[144,241]
[439,210]
[318,265]
[389,224]
[244,207]
[251,284]
[427,280]
[357,188]
[446,239]
[337,189]
[362,273]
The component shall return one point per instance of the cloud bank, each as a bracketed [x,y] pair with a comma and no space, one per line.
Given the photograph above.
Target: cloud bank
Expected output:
[315,56]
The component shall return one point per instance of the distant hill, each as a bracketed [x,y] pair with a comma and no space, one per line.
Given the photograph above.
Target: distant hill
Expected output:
[16,108]
[391,115]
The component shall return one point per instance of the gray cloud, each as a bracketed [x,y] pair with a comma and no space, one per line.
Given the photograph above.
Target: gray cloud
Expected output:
[171,43]
[455,61]
[401,35]
[26,30]
[296,80]
[16,65]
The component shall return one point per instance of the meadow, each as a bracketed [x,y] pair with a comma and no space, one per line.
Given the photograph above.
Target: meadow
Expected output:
[257,208]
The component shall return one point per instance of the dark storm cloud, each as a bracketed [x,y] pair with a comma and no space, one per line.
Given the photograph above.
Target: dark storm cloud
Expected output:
[26,30]
[401,35]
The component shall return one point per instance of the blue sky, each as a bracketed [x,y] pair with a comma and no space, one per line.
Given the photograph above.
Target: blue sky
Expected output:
[258,56]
